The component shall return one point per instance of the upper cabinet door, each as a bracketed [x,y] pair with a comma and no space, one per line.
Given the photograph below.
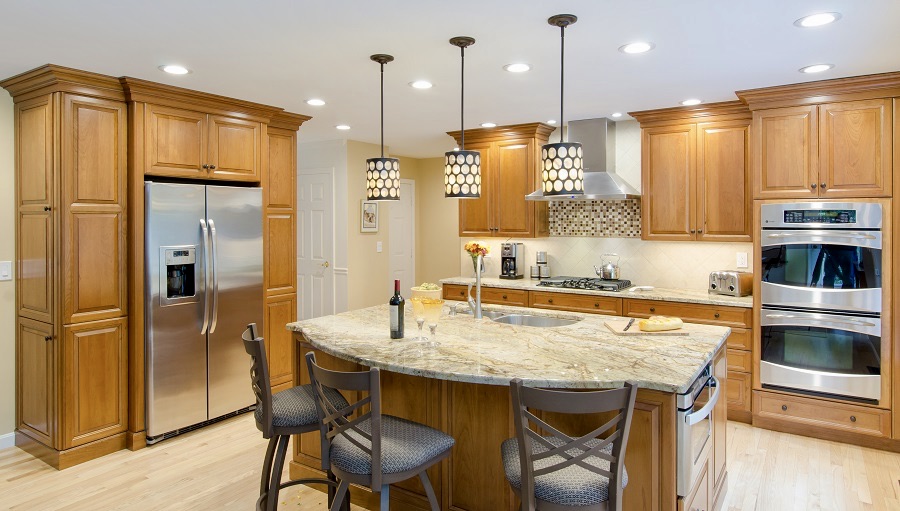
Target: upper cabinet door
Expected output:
[515,179]
[723,181]
[175,142]
[475,217]
[668,160]
[785,153]
[234,149]
[855,149]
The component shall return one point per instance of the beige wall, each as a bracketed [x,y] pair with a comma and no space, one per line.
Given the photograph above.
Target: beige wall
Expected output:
[437,225]
[7,253]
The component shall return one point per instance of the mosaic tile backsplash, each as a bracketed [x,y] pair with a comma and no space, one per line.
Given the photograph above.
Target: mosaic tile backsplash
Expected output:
[603,218]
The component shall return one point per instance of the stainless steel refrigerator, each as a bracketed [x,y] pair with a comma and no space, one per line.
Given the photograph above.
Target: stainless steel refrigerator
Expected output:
[204,282]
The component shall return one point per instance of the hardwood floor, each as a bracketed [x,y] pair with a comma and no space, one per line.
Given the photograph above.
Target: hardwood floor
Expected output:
[218,468]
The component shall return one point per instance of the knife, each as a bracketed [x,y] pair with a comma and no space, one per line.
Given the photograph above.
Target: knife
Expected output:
[630,322]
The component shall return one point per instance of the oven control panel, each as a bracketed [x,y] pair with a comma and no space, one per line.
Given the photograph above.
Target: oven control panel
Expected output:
[820,216]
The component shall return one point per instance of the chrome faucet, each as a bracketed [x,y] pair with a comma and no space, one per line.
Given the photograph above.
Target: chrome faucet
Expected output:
[475,305]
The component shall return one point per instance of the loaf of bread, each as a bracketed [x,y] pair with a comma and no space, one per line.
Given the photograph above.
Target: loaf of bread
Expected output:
[659,324]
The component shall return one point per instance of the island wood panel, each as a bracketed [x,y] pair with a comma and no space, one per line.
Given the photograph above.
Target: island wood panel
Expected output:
[35,184]
[36,404]
[718,458]
[784,153]
[723,181]
[855,156]
[513,215]
[234,148]
[95,381]
[668,170]
[475,215]
[575,302]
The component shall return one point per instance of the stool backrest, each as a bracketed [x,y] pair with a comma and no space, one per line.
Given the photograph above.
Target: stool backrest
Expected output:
[259,378]
[525,399]
[335,420]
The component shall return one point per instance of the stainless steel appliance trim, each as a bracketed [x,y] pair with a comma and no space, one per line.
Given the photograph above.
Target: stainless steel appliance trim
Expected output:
[868,326]
[686,400]
[163,299]
[868,214]
[866,300]
[863,386]
[870,239]
[205,282]
[215,277]
[697,416]
[686,460]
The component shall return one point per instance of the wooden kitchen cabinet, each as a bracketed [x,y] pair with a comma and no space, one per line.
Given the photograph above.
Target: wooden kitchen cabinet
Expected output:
[695,173]
[575,302]
[510,161]
[196,145]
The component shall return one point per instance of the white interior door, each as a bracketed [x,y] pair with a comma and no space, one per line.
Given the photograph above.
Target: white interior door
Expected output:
[402,237]
[315,243]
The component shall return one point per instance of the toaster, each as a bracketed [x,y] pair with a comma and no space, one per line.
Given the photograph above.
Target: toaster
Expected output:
[732,283]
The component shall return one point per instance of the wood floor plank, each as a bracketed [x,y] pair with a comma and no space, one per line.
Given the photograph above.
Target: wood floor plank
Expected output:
[218,467]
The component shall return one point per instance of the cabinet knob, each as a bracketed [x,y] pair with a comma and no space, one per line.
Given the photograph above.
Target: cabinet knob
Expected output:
[205,166]
[823,186]
[48,338]
[549,300]
[853,418]
[47,208]
[716,315]
[462,293]
[652,309]
[596,305]
[813,186]
[692,231]
[783,408]
[212,167]
[504,297]
[699,231]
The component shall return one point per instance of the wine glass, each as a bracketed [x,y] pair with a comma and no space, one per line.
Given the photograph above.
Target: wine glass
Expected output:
[433,308]
[419,313]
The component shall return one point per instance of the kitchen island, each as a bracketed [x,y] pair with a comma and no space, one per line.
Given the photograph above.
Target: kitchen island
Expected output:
[461,387]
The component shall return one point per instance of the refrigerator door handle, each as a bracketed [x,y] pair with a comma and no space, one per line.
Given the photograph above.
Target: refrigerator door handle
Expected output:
[215,276]
[204,239]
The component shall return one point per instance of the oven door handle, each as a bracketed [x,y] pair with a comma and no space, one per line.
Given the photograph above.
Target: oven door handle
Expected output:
[851,322]
[830,234]
[706,411]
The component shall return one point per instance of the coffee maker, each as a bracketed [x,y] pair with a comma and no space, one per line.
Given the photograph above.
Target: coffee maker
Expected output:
[512,260]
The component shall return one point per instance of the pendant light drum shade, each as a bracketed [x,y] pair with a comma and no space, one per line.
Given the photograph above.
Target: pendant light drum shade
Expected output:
[383,179]
[462,174]
[563,169]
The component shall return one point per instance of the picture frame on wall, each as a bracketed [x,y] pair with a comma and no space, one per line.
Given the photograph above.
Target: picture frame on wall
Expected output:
[368,216]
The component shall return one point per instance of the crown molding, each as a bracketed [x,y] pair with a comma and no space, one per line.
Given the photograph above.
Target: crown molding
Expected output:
[823,91]
[53,78]
[512,131]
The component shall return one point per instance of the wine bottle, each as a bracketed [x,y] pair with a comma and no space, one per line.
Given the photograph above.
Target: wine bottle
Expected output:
[396,304]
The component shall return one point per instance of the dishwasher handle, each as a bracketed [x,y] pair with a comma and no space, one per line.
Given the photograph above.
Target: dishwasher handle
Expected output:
[706,411]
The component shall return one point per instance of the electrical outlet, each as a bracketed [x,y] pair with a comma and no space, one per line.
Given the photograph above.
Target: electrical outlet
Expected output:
[5,270]
[742,260]
[378,247]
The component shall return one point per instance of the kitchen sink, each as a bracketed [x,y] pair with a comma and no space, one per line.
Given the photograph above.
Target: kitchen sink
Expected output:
[536,321]
[487,314]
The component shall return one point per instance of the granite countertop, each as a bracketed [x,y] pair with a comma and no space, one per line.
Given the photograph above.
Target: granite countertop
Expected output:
[582,355]
[668,295]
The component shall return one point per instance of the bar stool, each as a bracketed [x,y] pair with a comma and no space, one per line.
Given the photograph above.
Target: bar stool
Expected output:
[372,449]
[559,472]
[278,416]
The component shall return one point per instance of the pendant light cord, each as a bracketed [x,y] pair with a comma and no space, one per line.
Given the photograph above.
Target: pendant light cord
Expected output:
[462,96]
[382,110]
[562,78]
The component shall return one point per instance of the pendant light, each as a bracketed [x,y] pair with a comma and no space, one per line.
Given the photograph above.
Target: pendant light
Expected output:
[462,169]
[382,174]
[562,171]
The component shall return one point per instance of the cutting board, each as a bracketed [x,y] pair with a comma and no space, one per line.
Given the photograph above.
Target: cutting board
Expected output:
[618,327]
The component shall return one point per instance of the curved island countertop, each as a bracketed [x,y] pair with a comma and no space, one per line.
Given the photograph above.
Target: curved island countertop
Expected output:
[581,355]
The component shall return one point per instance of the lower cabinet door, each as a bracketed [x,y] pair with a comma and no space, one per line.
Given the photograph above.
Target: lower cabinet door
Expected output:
[95,381]
[699,499]
[280,310]
[36,380]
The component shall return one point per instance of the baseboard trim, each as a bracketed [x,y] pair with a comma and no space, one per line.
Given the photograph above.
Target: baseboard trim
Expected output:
[8,440]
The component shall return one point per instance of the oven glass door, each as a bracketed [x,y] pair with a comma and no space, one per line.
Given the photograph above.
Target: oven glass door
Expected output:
[825,353]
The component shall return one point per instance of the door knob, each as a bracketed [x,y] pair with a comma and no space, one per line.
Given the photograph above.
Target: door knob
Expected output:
[325,264]
[205,166]
[813,186]
[823,186]
[212,167]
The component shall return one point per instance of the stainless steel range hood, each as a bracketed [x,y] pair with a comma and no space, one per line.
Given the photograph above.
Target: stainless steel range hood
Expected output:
[598,137]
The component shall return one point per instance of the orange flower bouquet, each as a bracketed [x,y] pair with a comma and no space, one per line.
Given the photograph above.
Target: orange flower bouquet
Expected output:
[474,249]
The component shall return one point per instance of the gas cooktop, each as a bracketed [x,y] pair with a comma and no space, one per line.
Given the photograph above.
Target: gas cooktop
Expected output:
[594,284]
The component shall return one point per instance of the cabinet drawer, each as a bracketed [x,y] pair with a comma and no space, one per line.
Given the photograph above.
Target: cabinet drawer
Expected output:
[737,391]
[692,313]
[577,303]
[739,360]
[698,497]
[827,414]
[740,339]
[455,292]
[502,296]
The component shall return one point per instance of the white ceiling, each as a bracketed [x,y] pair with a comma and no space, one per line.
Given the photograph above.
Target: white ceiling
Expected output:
[282,52]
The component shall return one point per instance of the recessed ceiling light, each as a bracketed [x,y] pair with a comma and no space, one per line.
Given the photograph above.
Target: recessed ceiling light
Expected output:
[421,84]
[551,121]
[174,69]
[637,47]
[617,114]
[816,68]
[342,127]
[691,102]
[517,68]
[488,125]
[817,20]
[315,102]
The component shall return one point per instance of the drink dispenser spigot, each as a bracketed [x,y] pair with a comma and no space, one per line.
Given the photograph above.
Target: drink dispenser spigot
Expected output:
[179,271]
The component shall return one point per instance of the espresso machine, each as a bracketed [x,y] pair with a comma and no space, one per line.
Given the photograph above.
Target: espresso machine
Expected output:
[512,260]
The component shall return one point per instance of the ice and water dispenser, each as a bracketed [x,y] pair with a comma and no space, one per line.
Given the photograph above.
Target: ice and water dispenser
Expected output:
[178,272]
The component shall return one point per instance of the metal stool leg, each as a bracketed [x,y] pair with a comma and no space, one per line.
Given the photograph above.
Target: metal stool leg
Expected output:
[385,497]
[264,480]
[275,481]
[339,497]
[432,499]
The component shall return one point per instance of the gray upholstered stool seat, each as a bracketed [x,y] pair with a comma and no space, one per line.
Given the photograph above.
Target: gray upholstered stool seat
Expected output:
[404,446]
[570,486]
[296,407]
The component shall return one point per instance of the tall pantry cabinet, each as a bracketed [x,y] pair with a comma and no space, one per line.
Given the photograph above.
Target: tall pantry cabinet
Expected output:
[71,294]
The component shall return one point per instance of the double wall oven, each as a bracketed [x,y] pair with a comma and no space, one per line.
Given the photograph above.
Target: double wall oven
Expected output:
[821,296]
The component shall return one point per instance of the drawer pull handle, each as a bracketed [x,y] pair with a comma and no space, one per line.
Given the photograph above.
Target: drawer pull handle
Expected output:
[504,297]
[783,408]
[549,300]
[652,309]
[596,305]
[716,315]
[853,418]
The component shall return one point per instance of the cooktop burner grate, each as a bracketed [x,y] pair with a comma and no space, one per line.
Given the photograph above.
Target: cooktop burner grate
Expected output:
[594,284]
